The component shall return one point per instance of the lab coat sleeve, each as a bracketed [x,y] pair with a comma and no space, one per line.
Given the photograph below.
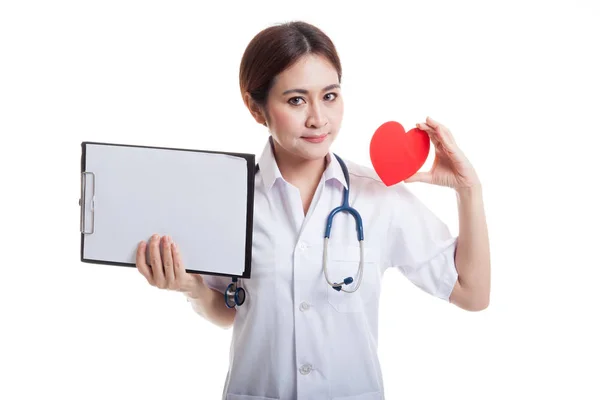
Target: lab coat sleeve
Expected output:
[216,282]
[421,246]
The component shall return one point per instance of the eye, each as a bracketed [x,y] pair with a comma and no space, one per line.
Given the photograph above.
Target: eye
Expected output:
[294,103]
[334,94]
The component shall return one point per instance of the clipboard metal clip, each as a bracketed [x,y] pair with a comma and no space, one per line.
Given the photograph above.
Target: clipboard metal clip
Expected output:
[82,201]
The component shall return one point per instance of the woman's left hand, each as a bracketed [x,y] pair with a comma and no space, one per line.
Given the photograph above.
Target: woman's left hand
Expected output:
[450,167]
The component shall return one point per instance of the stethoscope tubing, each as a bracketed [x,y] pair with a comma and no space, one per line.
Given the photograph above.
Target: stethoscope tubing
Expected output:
[235,296]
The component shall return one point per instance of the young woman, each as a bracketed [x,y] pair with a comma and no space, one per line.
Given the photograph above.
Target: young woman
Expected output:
[302,333]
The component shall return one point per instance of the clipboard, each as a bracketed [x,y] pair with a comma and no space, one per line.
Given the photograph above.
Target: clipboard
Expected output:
[203,199]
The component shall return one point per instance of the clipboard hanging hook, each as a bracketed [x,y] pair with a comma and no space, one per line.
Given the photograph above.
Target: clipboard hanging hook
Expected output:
[82,201]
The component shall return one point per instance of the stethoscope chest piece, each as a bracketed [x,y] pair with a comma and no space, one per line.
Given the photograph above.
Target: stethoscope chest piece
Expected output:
[234,295]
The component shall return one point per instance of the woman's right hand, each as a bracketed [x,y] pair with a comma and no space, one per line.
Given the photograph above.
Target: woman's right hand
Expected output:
[166,271]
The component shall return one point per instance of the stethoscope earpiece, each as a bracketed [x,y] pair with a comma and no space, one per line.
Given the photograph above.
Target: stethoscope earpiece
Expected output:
[347,281]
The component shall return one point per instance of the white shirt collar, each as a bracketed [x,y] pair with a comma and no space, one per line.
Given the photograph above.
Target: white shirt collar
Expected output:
[271,173]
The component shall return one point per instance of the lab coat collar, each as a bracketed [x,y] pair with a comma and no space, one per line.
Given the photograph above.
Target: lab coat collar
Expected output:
[271,173]
[334,170]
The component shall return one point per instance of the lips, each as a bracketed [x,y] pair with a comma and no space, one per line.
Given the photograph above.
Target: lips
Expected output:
[315,139]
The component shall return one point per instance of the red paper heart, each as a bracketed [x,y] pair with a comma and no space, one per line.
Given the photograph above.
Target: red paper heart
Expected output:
[397,155]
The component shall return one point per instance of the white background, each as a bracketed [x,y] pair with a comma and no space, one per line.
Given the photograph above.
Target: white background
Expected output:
[516,82]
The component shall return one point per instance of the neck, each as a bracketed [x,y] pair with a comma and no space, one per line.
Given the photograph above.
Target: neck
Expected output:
[299,172]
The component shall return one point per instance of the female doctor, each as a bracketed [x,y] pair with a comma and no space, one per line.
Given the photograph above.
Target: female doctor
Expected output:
[302,332]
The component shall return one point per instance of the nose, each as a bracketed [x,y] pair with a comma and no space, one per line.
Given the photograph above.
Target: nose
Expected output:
[316,116]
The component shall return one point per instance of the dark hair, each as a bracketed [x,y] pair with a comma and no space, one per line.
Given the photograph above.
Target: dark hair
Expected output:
[276,48]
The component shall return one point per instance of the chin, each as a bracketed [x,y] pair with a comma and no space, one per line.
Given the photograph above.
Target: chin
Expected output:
[306,150]
[316,154]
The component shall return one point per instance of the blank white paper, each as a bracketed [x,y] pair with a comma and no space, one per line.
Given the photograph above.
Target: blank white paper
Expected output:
[199,199]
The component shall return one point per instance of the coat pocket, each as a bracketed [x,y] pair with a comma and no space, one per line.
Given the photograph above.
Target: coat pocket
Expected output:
[343,261]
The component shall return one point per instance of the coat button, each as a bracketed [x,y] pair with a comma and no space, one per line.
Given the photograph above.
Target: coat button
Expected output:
[305,369]
[304,306]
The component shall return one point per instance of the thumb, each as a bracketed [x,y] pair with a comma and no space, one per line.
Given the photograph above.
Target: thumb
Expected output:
[419,177]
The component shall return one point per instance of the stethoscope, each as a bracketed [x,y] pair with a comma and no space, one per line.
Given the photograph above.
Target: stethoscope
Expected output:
[235,296]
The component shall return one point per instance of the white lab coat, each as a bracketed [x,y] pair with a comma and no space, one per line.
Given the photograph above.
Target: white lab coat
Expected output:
[297,338]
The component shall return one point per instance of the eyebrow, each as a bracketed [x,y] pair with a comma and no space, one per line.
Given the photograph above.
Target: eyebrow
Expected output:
[304,91]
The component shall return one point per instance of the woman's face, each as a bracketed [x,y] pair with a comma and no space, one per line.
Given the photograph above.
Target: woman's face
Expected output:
[304,109]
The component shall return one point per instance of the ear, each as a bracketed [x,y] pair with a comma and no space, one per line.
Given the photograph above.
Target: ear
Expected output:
[254,109]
